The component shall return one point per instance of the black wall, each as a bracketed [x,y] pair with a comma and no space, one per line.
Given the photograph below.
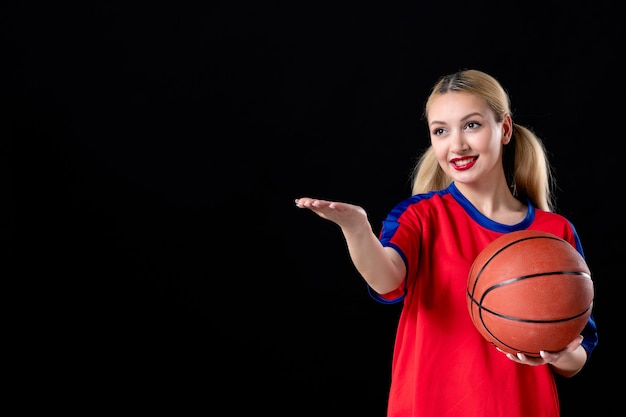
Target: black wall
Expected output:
[151,153]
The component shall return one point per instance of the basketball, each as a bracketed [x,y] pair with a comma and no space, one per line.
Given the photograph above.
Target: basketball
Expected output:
[529,291]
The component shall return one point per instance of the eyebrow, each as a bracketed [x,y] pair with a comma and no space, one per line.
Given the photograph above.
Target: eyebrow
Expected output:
[468,116]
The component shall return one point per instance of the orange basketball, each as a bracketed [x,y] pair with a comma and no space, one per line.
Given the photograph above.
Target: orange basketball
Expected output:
[529,291]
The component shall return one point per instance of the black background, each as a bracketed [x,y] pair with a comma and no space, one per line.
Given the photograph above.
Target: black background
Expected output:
[151,153]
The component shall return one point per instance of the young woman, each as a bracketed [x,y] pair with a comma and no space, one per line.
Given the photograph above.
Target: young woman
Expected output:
[464,197]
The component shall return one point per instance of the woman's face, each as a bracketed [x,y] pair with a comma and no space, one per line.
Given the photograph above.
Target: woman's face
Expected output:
[466,138]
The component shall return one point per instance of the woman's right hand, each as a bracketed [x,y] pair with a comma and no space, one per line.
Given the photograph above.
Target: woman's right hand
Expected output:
[347,216]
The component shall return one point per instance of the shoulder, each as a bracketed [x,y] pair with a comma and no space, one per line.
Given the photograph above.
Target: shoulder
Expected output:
[557,224]
[423,203]
[553,218]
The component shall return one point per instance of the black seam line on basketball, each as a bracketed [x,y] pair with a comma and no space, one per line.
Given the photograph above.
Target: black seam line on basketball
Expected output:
[503,248]
[520,278]
[482,309]
[517,319]
[539,274]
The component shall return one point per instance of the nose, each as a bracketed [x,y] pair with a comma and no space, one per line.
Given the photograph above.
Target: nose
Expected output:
[458,143]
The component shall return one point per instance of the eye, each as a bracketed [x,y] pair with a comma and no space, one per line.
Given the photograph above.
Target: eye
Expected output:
[472,125]
[438,131]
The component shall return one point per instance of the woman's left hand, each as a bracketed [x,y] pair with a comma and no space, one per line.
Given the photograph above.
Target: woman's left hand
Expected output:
[546,357]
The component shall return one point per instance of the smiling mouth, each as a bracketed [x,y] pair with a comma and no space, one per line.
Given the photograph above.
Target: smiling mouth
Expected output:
[460,163]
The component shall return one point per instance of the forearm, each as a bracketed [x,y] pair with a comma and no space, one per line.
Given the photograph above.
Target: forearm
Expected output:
[382,268]
[569,364]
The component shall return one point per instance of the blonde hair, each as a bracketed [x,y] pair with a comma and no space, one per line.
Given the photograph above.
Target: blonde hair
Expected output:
[531,177]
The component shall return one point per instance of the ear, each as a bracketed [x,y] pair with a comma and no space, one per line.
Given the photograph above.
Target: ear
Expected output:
[507,129]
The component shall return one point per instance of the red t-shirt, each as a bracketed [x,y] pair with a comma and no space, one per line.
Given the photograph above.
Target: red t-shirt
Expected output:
[442,366]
